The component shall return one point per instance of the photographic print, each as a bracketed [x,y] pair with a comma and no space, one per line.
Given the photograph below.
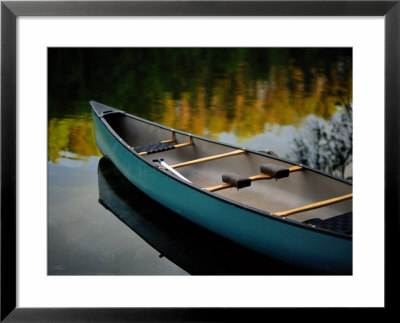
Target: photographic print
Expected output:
[200,161]
[255,100]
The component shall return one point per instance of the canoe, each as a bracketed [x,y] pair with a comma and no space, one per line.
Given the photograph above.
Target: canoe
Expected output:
[195,250]
[286,211]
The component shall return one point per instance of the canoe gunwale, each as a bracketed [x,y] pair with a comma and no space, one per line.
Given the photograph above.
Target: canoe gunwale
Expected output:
[213,195]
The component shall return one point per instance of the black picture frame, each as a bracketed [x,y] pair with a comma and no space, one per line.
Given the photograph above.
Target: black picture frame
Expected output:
[10,10]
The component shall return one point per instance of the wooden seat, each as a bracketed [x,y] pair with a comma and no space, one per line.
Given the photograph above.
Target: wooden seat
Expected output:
[162,146]
[154,148]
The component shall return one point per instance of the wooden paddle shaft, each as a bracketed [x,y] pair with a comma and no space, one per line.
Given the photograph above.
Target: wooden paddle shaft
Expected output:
[315,205]
[210,158]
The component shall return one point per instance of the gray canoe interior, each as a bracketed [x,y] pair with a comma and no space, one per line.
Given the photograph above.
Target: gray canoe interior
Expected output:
[299,189]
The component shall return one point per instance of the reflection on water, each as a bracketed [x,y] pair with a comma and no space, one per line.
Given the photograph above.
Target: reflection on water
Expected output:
[197,251]
[234,95]
[326,146]
[86,239]
[296,102]
[72,136]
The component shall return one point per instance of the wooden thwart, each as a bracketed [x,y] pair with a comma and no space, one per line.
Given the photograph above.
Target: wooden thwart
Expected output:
[209,158]
[252,178]
[190,143]
[315,205]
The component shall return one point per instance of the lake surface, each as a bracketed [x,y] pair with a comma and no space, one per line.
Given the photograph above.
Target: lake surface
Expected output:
[295,103]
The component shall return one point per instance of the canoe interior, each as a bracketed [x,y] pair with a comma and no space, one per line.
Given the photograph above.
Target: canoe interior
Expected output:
[299,189]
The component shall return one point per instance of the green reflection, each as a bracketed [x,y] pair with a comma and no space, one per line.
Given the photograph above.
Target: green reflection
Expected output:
[72,136]
[205,91]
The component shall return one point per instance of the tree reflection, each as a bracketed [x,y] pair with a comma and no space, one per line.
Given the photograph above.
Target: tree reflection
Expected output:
[284,81]
[326,146]
[71,138]
[204,91]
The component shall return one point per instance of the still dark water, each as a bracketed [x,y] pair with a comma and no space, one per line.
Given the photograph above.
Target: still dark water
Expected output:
[296,103]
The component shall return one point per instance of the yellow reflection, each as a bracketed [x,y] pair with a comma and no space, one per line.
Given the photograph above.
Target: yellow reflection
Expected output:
[246,110]
[234,104]
[72,135]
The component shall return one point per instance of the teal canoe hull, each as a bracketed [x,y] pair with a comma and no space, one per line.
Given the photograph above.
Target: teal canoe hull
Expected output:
[273,236]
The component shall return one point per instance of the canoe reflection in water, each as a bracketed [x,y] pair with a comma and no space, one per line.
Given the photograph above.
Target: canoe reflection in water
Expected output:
[194,249]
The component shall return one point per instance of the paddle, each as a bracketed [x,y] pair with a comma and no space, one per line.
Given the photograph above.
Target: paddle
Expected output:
[161,161]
